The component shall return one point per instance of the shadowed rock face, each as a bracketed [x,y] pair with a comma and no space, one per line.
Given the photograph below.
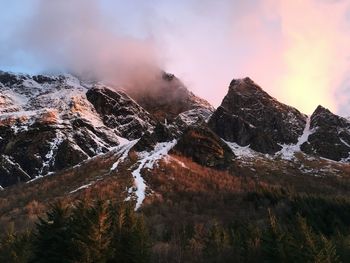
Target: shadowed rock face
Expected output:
[118,110]
[161,133]
[11,173]
[250,116]
[204,147]
[330,136]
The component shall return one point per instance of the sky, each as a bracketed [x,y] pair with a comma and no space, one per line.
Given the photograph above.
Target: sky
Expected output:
[296,50]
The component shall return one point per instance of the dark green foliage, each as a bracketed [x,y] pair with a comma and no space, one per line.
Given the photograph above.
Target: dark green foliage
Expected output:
[15,247]
[129,240]
[90,233]
[217,244]
[53,237]
[96,233]
[274,241]
[291,228]
[299,243]
[295,228]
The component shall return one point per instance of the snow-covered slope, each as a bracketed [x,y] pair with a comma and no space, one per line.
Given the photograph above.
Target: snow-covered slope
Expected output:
[288,150]
[47,123]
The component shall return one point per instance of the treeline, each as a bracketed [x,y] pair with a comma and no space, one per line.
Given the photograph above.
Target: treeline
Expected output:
[239,242]
[84,233]
[295,228]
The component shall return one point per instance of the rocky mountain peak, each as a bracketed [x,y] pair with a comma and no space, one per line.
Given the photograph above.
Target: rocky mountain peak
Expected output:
[250,116]
[245,86]
[168,76]
[324,117]
[49,123]
[165,97]
[330,136]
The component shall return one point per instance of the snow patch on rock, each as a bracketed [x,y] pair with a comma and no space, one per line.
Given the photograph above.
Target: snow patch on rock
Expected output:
[147,160]
[50,156]
[85,186]
[288,150]
[192,116]
[8,159]
[123,151]
[241,151]
[80,188]
[171,158]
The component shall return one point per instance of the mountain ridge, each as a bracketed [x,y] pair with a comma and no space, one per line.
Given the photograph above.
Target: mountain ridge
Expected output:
[51,123]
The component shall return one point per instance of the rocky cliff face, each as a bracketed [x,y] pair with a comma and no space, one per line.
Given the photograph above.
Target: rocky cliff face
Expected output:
[330,137]
[249,116]
[118,111]
[203,146]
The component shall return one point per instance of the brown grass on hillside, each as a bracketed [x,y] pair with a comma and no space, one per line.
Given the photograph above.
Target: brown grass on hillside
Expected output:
[21,204]
[187,192]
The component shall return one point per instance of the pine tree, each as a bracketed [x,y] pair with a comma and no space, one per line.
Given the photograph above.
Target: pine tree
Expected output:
[15,248]
[52,240]
[129,236]
[327,251]
[90,229]
[141,241]
[276,242]
[342,243]
[217,244]
[314,247]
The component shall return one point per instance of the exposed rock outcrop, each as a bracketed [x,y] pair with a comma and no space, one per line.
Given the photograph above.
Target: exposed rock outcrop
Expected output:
[50,123]
[330,136]
[118,110]
[250,116]
[204,147]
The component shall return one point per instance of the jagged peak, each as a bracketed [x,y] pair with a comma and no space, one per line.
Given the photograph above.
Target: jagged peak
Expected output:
[274,122]
[246,87]
[325,113]
[168,76]
[321,109]
[239,81]
[324,117]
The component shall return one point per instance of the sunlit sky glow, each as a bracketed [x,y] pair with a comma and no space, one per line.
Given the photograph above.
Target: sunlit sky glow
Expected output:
[297,50]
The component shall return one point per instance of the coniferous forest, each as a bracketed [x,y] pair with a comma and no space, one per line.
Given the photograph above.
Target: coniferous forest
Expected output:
[295,228]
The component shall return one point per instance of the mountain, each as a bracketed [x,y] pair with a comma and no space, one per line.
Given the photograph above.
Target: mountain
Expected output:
[167,97]
[330,137]
[197,174]
[250,116]
[49,123]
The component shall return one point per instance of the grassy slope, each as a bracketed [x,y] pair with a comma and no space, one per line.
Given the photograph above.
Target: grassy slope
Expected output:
[182,191]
